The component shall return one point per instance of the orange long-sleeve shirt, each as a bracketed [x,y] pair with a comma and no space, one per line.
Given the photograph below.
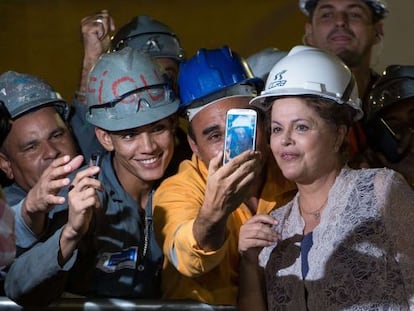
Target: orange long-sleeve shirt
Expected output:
[189,272]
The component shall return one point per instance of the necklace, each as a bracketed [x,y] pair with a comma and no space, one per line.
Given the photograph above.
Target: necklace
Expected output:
[316,213]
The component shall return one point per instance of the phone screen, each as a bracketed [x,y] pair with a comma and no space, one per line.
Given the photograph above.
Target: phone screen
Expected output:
[240,132]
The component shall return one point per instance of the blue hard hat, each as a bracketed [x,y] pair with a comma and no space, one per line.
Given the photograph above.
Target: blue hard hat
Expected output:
[207,74]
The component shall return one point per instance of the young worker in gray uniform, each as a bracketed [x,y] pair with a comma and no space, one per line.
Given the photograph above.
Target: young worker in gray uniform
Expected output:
[102,244]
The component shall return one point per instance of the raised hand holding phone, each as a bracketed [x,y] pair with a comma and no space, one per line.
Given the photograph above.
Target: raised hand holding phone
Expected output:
[240,134]
[95,160]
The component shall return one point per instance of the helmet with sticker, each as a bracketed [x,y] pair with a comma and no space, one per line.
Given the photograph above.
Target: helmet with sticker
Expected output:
[313,72]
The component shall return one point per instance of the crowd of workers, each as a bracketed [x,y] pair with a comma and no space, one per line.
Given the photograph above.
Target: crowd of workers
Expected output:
[123,191]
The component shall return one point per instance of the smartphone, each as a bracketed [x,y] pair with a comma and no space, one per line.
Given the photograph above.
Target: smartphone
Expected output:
[384,139]
[95,160]
[240,133]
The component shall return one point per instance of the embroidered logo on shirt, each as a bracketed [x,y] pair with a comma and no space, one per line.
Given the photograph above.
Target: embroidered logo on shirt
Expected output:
[126,259]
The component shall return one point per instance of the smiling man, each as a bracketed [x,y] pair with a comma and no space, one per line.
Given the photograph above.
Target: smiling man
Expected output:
[350,29]
[102,244]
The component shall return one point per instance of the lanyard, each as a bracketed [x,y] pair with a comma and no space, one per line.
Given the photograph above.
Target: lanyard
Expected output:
[147,230]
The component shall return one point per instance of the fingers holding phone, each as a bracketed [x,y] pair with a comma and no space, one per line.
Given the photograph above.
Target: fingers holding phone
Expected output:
[96,160]
[83,199]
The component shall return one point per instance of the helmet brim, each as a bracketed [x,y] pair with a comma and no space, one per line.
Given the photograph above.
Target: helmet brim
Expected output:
[131,121]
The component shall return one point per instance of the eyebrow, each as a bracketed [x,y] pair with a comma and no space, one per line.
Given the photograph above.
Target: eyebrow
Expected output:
[28,143]
[210,129]
[293,121]
[57,130]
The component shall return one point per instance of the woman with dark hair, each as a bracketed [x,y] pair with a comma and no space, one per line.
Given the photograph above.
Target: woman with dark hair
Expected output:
[341,243]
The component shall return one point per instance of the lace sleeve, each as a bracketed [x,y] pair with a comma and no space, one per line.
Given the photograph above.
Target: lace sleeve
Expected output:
[396,200]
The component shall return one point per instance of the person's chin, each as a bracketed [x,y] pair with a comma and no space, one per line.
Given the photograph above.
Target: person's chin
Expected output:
[152,175]
[290,173]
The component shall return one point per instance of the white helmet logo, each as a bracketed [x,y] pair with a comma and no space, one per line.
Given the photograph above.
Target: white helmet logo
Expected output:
[278,80]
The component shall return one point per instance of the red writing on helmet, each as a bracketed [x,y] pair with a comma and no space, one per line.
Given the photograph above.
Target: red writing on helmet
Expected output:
[103,89]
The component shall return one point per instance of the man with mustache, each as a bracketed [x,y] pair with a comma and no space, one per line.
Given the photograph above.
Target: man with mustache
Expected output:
[350,29]
[37,150]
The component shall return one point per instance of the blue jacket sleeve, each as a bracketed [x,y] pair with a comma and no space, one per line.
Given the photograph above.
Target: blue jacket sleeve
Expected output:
[36,278]
[25,237]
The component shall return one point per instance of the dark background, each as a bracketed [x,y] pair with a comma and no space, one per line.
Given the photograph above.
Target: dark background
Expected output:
[42,37]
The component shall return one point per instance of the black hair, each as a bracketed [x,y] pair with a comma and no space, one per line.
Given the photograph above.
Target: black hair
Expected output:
[5,123]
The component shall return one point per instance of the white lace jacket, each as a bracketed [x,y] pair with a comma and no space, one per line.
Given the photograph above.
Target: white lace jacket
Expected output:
[362,256]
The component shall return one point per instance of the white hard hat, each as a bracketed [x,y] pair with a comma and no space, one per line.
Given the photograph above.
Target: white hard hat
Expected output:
[241,121]
[314,72]
[379,7]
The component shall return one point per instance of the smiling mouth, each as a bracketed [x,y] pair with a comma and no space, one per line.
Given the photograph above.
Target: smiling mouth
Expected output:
[149,161]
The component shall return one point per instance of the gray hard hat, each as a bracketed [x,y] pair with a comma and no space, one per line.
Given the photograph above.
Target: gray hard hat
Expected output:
[21,93]
[128,89]
[395,84]
[263,61]
[148,35]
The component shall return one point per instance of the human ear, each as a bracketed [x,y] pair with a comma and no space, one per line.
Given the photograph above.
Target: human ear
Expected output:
[379,32]
[341,134]
[104,139]
[5,166]
[307,37]
[193,146]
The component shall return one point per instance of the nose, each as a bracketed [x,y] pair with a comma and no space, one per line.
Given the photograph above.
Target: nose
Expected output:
[148,144]
[286,138]
[51,150]
[341,19]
